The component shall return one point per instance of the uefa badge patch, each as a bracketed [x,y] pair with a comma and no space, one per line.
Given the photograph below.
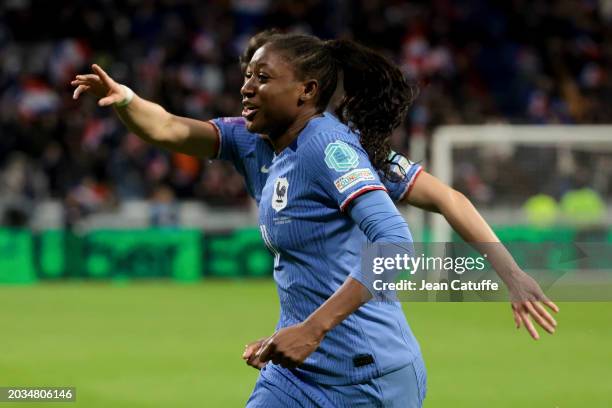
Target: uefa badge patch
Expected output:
[353,177]
[281,190]
[340,156]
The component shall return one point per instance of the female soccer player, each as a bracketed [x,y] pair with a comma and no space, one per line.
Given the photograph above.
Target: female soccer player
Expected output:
[269,108]
[418,188]
[321,190]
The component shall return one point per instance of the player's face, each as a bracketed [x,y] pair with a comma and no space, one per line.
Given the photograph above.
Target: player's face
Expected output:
[270,94]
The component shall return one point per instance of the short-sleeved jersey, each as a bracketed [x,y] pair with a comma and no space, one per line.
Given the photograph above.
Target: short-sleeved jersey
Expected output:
[251,154]
[316,246]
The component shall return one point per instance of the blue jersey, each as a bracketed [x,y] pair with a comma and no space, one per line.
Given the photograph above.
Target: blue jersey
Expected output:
[316,246]
[251,154]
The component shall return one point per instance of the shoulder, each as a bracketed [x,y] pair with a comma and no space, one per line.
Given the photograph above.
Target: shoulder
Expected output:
[335,159]
[234,126]
[236,140]
[231,121]
[333,142]
[230,124]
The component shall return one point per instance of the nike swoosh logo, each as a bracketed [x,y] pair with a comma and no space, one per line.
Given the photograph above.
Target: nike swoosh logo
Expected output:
[264,169]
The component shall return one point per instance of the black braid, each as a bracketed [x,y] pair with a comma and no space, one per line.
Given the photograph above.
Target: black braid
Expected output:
[376,98]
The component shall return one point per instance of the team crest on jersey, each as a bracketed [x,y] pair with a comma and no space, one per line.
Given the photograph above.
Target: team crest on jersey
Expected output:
[340,156]
[281,191]
[351,178]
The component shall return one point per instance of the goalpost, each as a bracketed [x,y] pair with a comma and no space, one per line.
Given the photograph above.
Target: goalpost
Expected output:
[562,140]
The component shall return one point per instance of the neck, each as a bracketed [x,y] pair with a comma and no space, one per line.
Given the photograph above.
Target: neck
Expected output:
[287,135]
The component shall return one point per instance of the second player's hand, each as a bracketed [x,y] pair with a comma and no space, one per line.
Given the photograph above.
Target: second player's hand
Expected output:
[289,347]
[101,85]
[527,300]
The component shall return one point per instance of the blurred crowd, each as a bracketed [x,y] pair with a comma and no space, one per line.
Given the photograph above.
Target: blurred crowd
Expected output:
[475,61]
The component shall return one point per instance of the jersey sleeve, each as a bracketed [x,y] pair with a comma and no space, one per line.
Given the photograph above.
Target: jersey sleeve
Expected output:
[341,167]
[388,234]
[235,141]
[407,171]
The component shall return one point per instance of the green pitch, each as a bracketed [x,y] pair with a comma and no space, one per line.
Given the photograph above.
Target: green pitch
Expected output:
[167,345]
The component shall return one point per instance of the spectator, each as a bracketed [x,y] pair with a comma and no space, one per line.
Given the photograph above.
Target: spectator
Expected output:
[477,61]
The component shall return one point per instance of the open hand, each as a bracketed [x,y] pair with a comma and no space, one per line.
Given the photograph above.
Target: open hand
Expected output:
[290,346]
[100,85]
[527,301]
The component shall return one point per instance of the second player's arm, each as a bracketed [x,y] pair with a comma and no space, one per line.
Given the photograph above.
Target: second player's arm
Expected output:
[431,194]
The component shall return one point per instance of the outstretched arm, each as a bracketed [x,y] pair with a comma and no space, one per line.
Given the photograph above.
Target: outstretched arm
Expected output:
[148,120]
[431,194]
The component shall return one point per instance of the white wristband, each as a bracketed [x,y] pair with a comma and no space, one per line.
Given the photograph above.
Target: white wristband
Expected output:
[129,95]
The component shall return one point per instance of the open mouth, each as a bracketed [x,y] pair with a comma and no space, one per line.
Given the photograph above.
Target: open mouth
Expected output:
[249,112]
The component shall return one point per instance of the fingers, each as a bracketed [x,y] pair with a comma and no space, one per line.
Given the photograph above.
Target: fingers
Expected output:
[84,83]
[249,355]
[266,350]
[550,303]
[538,318]
[255,362]
[79,90]
[88,77]
[528,325]
[89,80]
[540,296]
[249,349]
[268,353]
[102,74]
[524,311]
[517,318]
[544,313]
[109,100]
